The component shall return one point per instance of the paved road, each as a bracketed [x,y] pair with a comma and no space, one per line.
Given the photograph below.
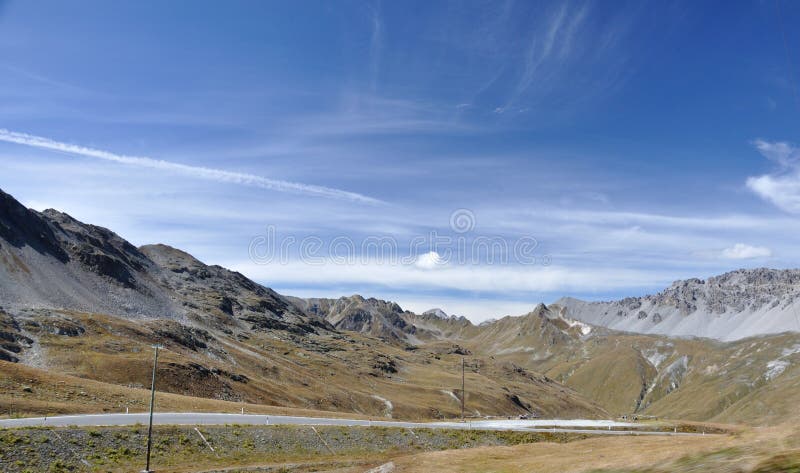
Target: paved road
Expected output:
[201,418]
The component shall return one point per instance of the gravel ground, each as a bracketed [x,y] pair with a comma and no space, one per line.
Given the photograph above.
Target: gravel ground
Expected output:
[123,449]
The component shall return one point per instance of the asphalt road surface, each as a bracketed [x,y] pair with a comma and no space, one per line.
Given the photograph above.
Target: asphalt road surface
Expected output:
[201,418]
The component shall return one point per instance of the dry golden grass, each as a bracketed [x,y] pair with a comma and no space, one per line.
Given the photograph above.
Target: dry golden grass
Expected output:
[721,382]
[583,455]
[331,372]
[54,393]
[760,450]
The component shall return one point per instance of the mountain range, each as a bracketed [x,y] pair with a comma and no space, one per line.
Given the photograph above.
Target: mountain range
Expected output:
[80,301]
[732,306]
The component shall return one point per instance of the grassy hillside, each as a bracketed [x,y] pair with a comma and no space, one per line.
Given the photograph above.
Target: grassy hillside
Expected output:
[80,301]
[753,380]
[328,371]
[775,450]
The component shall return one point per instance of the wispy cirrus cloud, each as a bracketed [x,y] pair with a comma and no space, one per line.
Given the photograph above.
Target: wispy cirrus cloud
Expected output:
[359,114]
[35,78]
[375,41]
[199,172]
[781,152]
[551,47]
[782,187]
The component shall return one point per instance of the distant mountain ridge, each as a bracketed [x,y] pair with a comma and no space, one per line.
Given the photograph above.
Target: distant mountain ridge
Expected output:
[381,319]
[49,260]
[731,306]
[77,298]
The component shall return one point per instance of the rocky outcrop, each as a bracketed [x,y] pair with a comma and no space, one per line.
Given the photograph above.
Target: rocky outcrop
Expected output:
[50,260]
[225,299]
[21,227]
[734,305]
[378,318]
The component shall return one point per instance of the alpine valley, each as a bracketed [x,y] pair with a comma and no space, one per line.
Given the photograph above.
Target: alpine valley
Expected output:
[80,308]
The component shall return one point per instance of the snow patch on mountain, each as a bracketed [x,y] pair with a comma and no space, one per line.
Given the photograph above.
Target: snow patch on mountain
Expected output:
[585,329]
[440,314]
[672,375]
[437,313]
[654,357]
[775,368]
[790,351]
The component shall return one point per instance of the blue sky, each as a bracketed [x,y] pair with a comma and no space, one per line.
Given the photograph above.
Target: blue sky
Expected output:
[636,142]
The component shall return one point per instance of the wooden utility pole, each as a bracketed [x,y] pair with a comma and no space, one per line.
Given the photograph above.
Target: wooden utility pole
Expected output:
[152,404]
[463,391]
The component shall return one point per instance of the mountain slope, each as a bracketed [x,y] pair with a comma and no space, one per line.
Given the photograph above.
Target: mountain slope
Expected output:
[49,260]
[79,300]
[377,318]
[732,306]
[224,299]
[387,320]
[754,380]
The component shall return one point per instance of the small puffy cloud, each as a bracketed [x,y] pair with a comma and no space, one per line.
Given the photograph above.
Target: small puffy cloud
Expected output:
[429,260]
[781,191]
[742,251]
[781,188]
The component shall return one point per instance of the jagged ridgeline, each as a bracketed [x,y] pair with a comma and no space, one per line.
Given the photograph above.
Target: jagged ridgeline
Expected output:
[79,302]
[732,306]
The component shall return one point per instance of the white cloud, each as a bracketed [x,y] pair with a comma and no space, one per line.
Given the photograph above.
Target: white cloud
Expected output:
[430,260]
[781,188]
[482,278]
[742,251]
[782,191]
[218,175]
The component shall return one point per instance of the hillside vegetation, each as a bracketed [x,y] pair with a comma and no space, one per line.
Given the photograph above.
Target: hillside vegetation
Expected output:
[80,308]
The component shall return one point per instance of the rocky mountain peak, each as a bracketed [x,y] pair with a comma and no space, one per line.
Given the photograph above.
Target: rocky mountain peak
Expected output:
[51,260]
[171,258]
[444,316]
[437,313]
[733,305]
[21,227]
